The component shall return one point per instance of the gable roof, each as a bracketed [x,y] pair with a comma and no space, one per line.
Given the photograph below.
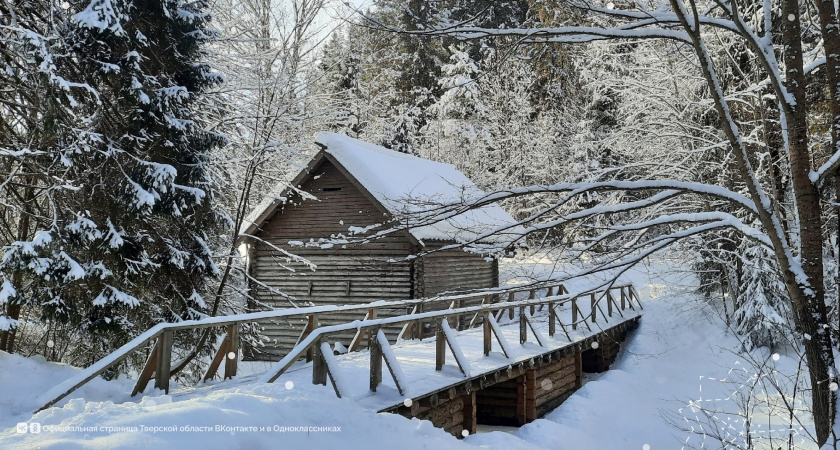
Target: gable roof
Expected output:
[400,184]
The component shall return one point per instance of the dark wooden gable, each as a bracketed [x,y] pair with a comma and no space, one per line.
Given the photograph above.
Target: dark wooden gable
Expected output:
[346,274]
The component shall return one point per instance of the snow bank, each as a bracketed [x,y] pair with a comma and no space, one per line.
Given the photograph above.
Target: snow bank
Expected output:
[23,379]
[259,416]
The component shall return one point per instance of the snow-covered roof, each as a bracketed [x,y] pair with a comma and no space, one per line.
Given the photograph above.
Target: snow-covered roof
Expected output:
[404,185]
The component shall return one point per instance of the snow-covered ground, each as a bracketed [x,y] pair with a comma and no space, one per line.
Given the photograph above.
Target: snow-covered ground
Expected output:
[679,349]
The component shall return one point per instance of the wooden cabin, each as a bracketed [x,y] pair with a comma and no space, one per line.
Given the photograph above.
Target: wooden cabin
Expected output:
[348,187]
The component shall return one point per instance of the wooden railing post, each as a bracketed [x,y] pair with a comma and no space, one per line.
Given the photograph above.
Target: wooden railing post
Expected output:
[575,313]
[623,299]
[532,295]
[418,325]
[523,326]
[311,324]
[455,321]
[552,319]
[548,293]
[510,311]
[609,303]
[594,316]
[487,330]
[375,360]
[232,357]
[319,365]
[164,362]
[440,347]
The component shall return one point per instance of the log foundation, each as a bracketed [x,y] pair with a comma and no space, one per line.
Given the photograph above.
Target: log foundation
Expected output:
[519,394]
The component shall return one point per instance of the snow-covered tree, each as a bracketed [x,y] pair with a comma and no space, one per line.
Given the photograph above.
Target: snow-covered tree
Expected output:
[113,236]
[780,47]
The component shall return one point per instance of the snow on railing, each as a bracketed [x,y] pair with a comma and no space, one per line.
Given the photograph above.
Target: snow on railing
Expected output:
[159,361]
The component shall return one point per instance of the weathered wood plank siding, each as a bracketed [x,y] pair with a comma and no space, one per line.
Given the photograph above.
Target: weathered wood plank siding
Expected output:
[453,271]
[457,270]
[345,274]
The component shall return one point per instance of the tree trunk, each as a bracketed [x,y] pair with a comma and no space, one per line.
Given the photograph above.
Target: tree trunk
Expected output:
[7,338]
[807,296]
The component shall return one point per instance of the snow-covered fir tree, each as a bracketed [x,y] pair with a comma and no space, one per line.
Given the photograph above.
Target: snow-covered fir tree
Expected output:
[112,236]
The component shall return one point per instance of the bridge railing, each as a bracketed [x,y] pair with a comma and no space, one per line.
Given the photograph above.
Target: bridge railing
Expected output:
[316,344]
[310,346]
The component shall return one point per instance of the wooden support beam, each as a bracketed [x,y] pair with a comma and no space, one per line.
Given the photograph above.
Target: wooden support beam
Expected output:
[561,290]
[575,313]
[623,299]
[594,316]
[635,295]
[232,356]
[549,292]
[523,328]
[406,329]
[164,361]
[391,361]
[220,355]
[146,374]
[500,338]
[530,395]
[470,411]
[455,321]
[609,304]
[598,307]
[563,327]
[484,301]
[537,335]
[375,362]
[331,365]
[614,304]
[449,335]
[319,366]
[360,334]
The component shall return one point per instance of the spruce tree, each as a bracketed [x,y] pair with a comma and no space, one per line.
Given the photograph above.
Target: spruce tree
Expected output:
[124,243]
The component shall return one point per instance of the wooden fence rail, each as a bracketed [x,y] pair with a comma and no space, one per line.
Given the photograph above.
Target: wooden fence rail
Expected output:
[159,361]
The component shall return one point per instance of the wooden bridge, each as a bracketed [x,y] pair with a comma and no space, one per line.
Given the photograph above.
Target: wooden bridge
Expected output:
[560,336]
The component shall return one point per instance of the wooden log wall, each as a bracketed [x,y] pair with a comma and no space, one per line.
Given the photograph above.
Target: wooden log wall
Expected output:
[457,270]
[345,274]
[530,396]
[519,394]
[553,384]
[454,271]
[453,415]
[598,360]
[502,403]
